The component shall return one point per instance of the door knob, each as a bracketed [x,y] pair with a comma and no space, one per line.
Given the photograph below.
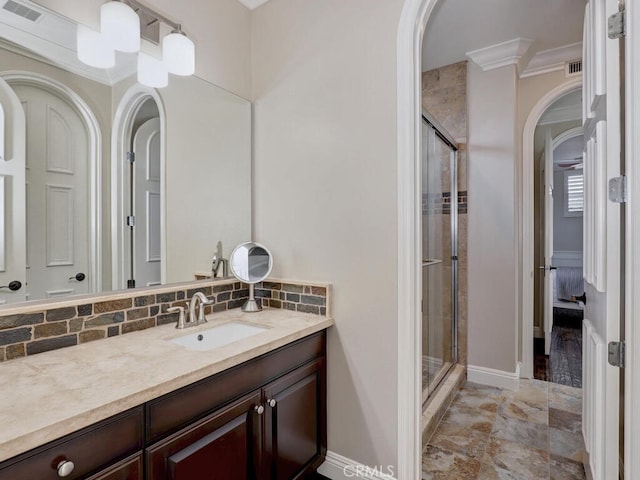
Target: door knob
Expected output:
[271,402]
[78,276]
[13,286]
[259,409]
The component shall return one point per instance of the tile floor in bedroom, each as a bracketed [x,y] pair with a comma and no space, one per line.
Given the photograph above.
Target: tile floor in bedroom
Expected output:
[489,433]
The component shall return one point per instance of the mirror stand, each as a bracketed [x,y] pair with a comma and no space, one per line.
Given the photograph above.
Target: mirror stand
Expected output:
[251,305]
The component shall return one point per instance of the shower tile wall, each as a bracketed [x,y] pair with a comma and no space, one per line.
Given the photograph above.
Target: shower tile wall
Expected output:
[444,96]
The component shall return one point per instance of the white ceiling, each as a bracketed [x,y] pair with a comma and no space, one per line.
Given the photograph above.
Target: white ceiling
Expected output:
[460,26]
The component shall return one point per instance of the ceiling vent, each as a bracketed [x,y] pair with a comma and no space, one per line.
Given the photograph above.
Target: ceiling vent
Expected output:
[22,11]
[573,68]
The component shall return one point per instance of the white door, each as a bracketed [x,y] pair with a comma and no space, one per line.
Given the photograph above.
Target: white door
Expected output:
[57,183]
[12,198]
[602,242]
[549,273]
[632,244]
[147,258]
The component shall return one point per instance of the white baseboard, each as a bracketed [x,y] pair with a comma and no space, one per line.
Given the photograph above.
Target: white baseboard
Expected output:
[493,378]
[337,467]
[586,463]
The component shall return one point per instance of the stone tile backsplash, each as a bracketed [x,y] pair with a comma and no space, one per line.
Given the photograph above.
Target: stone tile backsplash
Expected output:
[289,296]
[52,327]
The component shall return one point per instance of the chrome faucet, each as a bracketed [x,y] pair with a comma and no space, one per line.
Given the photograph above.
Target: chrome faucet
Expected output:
[215,267]
[200,298]
[194,315]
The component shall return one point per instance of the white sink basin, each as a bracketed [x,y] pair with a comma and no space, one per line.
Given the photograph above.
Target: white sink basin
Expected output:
[218,336]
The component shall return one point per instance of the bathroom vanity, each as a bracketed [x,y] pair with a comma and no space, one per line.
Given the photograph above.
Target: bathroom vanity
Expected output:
[252,409]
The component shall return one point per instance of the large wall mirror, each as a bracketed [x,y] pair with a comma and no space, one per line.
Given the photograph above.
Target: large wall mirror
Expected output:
[76,214]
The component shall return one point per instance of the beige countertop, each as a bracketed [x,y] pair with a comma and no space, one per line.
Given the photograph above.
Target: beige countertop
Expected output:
[52,394]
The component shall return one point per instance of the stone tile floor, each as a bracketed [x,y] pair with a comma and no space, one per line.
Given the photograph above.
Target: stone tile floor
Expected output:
[493,434]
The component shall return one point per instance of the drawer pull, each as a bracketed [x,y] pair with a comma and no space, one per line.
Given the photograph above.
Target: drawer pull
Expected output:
[65,467]
[271,402]
[259,409]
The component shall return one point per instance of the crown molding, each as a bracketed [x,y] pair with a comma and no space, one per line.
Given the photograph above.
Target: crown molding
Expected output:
[252,4]
[500,54]
[552,60]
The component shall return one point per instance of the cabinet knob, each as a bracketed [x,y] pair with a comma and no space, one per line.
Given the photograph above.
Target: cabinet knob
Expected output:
[259,409]
[65,467]
[271,402]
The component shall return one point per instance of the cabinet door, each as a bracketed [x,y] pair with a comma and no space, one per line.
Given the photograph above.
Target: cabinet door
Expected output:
[295,434]
[221,446]
[128,469]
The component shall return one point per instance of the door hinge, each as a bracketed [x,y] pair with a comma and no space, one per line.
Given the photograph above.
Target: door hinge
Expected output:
[616,354]
[615,25]
[618,189]
[131,221]
[131,157]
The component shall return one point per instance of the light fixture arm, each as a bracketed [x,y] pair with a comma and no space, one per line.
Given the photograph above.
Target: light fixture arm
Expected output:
[159,17]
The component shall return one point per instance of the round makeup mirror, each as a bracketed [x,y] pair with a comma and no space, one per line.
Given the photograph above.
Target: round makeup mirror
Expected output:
[251,263]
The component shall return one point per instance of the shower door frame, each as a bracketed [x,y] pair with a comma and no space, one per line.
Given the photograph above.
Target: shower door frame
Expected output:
[449,141]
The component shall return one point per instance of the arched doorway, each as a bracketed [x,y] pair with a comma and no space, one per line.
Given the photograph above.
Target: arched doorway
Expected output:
[138,190]
[527,224]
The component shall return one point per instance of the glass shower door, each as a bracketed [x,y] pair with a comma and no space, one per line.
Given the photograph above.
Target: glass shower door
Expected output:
[439,257]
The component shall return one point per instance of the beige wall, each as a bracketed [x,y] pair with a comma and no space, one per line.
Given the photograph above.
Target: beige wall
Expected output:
[220,29]
[492,288]
[324,86]
[208,173]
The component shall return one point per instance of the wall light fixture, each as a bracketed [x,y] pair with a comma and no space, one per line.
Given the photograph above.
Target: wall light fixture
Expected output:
[122,25]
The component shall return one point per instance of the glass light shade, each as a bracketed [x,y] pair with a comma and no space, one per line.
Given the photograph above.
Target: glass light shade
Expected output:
[93,49]
[120,25]
[179,54]
[151,71]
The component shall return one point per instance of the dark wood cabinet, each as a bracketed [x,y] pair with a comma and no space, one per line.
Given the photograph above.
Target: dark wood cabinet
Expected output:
[295,423]
[222,446]
[275,433]
[262,420]
[128,469]
[92,449]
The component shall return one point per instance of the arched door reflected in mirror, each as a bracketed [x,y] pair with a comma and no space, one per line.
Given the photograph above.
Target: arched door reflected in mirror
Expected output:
[57,178]
[143,194]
